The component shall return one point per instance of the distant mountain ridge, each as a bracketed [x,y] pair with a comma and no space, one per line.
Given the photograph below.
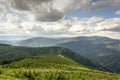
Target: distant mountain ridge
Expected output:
[95,48]
[5,42]
[86,46]
[42,42]
[100,50]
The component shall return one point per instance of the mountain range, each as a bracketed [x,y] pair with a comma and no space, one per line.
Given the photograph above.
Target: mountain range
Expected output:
[8,54]
[97,49]
[102,50]
[49,63]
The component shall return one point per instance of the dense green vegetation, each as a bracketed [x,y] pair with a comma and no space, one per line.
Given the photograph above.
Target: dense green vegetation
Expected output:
[10,54]
[48,63]
[51,67]
[38,74]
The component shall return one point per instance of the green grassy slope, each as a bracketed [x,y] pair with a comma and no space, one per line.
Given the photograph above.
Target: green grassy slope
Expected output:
[38,74]
[46,61]
[51,67]
[50,63]
[10,54]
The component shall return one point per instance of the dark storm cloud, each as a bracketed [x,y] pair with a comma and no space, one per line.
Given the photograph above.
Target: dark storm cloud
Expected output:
[42,9]
[54,10]
[26,4]
[53,15]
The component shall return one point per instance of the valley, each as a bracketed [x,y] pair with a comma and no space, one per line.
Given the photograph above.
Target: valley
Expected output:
[73,59]
[95,48]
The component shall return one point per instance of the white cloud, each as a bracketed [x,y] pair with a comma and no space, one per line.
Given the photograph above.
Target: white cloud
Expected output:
[95,20]
[3,10]
[117,12]
[41,9]
[69,5]
[108,24]
[100,4]
[94,26]
[12,25]
[104,3]
[51,10]
[51,13]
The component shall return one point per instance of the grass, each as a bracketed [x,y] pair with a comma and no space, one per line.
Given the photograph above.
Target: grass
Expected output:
[51,67]
[54,74]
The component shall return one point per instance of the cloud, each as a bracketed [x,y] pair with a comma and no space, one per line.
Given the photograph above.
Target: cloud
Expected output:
[47,10]
[95,19]
[41,9]
[104,3]
[116,29]
[94,26]
[117,12]
[47,17]
[26,4]
[11,25]
[3,10]
[51,10]
[70,5]
[115,3]
[108,24]
[100,4]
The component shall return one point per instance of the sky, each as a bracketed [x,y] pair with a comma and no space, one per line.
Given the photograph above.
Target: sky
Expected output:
[59,18]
